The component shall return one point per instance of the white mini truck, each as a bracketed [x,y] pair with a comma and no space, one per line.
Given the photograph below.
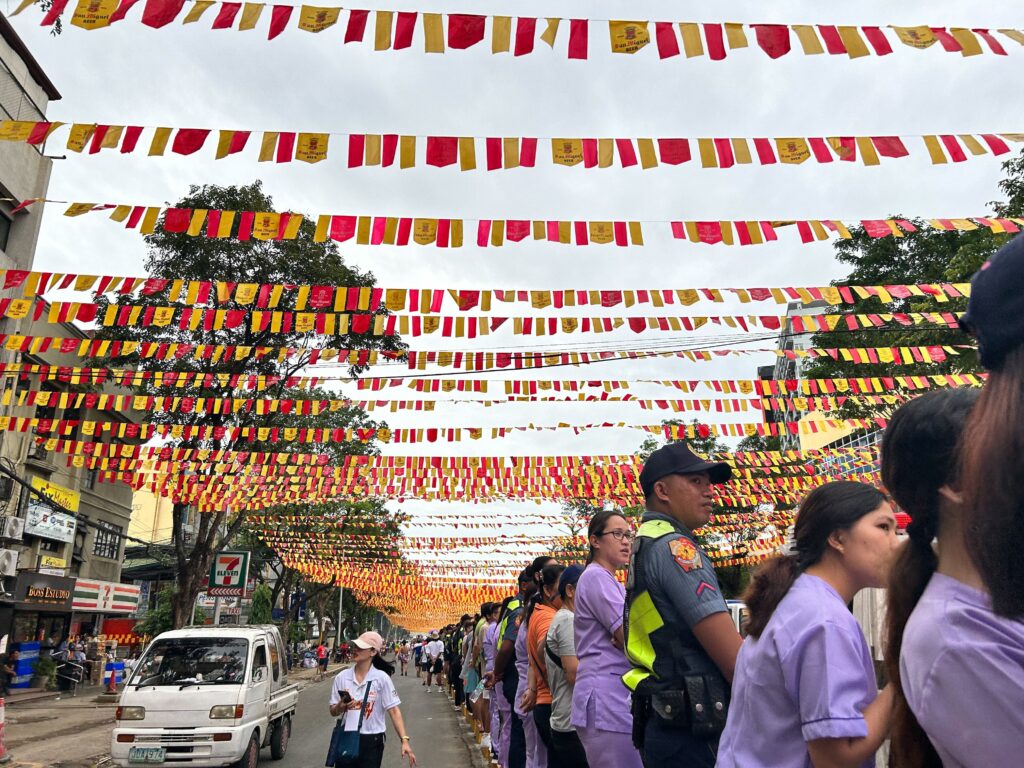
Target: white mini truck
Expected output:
[206,697]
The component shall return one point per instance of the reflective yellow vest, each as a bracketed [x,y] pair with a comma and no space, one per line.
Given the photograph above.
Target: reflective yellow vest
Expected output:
[513,604]
[642,619]
[654,644]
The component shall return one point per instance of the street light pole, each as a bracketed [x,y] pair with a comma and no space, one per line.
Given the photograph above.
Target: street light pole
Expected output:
[337,638]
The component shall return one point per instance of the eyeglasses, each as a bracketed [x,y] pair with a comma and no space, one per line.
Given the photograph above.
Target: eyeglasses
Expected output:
[618,535]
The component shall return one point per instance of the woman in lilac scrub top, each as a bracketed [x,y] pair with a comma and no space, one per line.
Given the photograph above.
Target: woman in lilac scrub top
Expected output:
[961,661]
[601,701]
[804,693]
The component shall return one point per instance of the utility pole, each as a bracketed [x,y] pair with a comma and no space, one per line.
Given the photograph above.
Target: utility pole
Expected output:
[337,632]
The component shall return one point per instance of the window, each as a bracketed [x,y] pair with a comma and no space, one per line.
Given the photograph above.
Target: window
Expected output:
[89,482]
[275,658]
[107,542]
[46,545]
[5,230]
[259,661]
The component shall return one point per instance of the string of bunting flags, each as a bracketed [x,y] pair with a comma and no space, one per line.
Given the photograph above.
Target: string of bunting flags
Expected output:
[449,233]
[388,150]
[391,30]
[290,406]
[446,326]
[432,300]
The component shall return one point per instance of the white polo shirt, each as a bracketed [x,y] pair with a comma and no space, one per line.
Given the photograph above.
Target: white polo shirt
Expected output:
[434,649]
[383,697]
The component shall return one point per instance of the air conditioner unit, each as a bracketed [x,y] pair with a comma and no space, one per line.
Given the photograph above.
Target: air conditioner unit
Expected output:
[8,562]
[12,528]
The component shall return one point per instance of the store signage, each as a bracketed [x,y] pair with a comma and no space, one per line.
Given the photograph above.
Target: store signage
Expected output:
[105,596]
[229,574]
[55,566]
[41,589]
[43,521]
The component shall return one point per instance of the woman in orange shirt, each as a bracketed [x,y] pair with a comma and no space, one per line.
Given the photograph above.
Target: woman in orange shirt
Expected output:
[539,614]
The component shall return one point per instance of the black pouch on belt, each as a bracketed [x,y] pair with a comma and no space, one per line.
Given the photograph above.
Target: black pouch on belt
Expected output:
[641,711]
[707,700]
[671,708]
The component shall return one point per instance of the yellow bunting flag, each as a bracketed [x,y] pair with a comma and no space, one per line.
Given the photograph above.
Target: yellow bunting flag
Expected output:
[314,19]
[265,226]
[501,34]
[79,136]
[916,37]
[424,231]
[197,10]
[433,33]
[93,14]
[551,32]
[311,147]
[792,151]
[251,13]
[628,36]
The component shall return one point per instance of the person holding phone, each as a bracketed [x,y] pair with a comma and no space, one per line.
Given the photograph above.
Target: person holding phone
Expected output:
[369,681]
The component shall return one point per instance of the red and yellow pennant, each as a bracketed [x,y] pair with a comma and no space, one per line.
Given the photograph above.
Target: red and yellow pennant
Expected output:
[504,153]
[435,300]
[519,35]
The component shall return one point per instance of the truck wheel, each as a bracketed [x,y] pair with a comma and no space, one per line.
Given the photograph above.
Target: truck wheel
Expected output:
[252,753]
[279,738]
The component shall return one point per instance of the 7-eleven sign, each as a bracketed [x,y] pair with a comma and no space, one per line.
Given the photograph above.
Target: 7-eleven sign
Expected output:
[228,574]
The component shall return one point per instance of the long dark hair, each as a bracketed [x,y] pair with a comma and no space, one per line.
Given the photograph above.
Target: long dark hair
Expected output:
[919,456]
[597,525]
[993,484]
[549,576]
[384,666]
[828,508]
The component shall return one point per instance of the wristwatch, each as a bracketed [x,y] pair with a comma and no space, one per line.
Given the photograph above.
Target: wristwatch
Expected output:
[405,738]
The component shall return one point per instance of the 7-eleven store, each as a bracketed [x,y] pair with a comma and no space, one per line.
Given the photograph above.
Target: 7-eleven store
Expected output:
[104,609]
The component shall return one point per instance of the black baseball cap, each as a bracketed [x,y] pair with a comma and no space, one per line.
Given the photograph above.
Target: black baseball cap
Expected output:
[678,459]
[995,313]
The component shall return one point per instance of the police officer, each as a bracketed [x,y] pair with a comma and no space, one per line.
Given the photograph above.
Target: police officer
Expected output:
[680,638]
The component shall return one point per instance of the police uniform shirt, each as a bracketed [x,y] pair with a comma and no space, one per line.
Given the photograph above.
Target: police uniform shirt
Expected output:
[681,579]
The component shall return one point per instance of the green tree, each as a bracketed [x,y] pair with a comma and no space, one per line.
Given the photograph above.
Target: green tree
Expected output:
[176,255]
[161,618]
[261,611]
[924,256]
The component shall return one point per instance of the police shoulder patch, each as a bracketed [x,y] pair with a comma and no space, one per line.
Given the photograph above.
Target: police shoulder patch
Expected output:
[685,553]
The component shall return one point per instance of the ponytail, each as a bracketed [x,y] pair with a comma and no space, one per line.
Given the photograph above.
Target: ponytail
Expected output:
[828,508]
[769,584]
[919,456]
[384,666]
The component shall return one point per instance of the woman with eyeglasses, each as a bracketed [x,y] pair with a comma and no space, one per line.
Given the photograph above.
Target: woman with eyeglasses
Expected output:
[600,702]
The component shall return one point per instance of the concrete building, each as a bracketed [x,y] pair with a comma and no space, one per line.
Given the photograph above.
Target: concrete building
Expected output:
[79,552]
[787,369]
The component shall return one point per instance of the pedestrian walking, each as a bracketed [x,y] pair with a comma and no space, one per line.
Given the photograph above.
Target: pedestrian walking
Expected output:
[601,701]
[322,658]
[679,635]
[559,650]
[362,694]
[403,654]
[433,652]
[805,691]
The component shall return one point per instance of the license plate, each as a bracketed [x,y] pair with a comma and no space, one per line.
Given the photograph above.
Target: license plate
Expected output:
[146,755]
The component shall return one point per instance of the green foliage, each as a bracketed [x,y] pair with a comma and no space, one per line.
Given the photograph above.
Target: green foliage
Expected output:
[46,669]
[261,611]
[161,618]
[925,256]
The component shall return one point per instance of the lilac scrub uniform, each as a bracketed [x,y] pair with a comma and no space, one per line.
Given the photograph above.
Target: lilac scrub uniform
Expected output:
[962,669]
[601,701]
[536,752]
[500,723]
[809,676]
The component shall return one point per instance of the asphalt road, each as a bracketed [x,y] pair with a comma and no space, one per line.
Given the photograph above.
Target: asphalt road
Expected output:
[434,730]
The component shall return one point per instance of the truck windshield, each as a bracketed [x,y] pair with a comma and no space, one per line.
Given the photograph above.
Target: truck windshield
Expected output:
[193,661]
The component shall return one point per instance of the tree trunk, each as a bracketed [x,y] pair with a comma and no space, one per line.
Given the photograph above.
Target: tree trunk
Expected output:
[194,563]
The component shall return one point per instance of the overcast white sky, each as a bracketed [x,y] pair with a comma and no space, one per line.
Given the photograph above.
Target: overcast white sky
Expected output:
[194,77]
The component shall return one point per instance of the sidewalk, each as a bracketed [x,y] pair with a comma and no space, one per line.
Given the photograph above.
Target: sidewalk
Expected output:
[74,732]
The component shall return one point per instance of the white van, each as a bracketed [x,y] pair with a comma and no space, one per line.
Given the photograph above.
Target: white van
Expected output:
[206,697]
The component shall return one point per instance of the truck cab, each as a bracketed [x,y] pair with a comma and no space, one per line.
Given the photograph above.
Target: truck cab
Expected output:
[206,697]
